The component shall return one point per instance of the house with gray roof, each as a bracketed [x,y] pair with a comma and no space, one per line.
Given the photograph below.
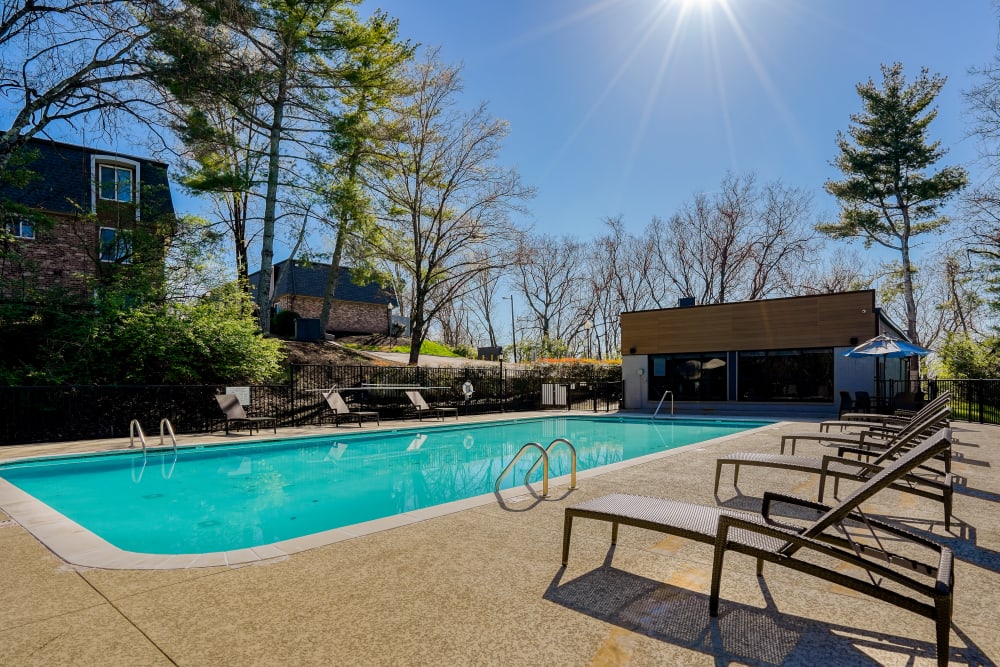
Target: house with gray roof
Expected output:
[83,214]
[299,286]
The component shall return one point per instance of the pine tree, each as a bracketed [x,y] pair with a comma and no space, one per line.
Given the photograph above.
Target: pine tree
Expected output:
[888,195]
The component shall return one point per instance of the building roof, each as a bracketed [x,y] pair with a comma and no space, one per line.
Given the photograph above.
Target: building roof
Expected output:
[65,180]
[298,278]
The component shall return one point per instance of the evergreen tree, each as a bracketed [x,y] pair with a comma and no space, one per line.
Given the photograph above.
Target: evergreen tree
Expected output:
[888,195]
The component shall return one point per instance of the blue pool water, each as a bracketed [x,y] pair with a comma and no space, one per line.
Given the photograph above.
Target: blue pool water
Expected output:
[228,497]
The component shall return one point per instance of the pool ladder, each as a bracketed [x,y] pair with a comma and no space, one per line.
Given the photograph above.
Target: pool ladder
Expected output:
[135,429]
[544,460]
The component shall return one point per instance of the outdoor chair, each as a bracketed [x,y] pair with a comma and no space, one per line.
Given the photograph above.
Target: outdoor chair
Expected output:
[336,403]
[925,483]
[422,408]
[841,536]
[862,401]
[893,422]
[846,403]
[234,412]
[873,437]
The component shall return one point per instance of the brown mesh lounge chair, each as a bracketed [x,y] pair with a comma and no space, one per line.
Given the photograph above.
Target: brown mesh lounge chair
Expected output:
[234,412]
[926,483]
[821,548]
[873,437]
[423,409]
[340,409]
[865,420]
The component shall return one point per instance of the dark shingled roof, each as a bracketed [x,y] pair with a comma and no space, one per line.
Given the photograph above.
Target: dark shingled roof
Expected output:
[309,279]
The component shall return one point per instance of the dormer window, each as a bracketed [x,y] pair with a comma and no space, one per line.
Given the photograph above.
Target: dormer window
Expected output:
[115,183]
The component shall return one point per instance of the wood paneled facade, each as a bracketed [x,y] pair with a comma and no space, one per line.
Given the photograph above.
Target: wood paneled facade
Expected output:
[785,351]
[827,320]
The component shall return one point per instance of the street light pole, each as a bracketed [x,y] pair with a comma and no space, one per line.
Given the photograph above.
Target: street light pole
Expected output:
[513,331]
[588,325]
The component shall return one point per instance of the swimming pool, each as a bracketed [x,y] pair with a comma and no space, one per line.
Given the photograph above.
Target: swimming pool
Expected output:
[232,497]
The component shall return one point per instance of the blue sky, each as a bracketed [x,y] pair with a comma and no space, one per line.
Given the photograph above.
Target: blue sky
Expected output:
[631,106]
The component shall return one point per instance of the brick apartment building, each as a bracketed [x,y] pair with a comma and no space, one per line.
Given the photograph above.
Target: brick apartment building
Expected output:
[91,212]
[356,309]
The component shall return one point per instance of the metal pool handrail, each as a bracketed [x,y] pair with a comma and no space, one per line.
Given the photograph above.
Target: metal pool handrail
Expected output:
[520,453]
[133,428]
[572,449]
[662,398]
[169,429]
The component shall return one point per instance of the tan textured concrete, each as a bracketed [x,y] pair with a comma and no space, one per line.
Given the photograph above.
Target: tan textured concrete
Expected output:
[483,586]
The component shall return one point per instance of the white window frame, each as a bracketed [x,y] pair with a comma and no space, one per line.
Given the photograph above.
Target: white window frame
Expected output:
[114,161]
[123,246]
[16,228]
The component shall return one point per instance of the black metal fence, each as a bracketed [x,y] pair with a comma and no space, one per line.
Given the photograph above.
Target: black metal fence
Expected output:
[972,400]
[81,412]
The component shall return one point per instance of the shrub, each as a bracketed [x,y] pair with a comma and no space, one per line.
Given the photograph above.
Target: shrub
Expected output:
[283,323]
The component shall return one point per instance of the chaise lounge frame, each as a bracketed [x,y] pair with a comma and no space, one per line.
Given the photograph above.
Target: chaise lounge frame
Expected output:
[340,409]
[761,537]
[939,488]
[422,408]
[234,412]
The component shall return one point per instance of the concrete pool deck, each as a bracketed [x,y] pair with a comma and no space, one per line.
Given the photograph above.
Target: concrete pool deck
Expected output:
[483,586]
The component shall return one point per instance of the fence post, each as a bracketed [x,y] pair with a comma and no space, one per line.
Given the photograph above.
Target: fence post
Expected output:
[980,394]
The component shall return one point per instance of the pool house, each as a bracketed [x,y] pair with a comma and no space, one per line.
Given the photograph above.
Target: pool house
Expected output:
[748,356]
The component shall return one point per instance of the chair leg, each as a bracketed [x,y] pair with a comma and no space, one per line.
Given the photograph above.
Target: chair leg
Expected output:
[943,630]
[567,531]
[713,600]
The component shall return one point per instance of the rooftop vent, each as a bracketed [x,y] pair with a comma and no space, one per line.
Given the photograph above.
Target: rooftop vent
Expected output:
[685,302]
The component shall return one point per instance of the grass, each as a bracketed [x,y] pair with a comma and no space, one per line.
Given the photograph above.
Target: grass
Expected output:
[428,347]
[964,411]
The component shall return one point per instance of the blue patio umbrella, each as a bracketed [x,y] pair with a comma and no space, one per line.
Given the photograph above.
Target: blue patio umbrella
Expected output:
[887,348]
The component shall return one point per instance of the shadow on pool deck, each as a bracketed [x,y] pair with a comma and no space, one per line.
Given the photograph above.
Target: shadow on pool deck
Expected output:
[484,586]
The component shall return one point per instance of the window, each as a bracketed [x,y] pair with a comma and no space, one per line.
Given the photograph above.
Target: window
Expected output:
[700,376]
[21,229]
[116,245]
[786,375]
[115,183]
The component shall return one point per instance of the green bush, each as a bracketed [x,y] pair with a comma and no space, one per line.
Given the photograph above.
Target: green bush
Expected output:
[214,340]
[466,351]
[283,323]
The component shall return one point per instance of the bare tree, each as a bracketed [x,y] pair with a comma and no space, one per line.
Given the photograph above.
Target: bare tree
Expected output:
[551,279]
[443,196]
[73,61]
[738,243]
[481,300]
[840,271]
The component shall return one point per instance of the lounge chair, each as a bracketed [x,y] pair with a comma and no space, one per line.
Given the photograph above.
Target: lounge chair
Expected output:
[939,487]
[872,437]
[340,409]
[833,537]
[888,422]
[423,409]
[234,412]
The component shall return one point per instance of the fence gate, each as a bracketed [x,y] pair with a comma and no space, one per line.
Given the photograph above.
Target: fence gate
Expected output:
[554,394]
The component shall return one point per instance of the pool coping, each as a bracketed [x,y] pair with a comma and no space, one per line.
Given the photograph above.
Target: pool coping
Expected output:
[80,547]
